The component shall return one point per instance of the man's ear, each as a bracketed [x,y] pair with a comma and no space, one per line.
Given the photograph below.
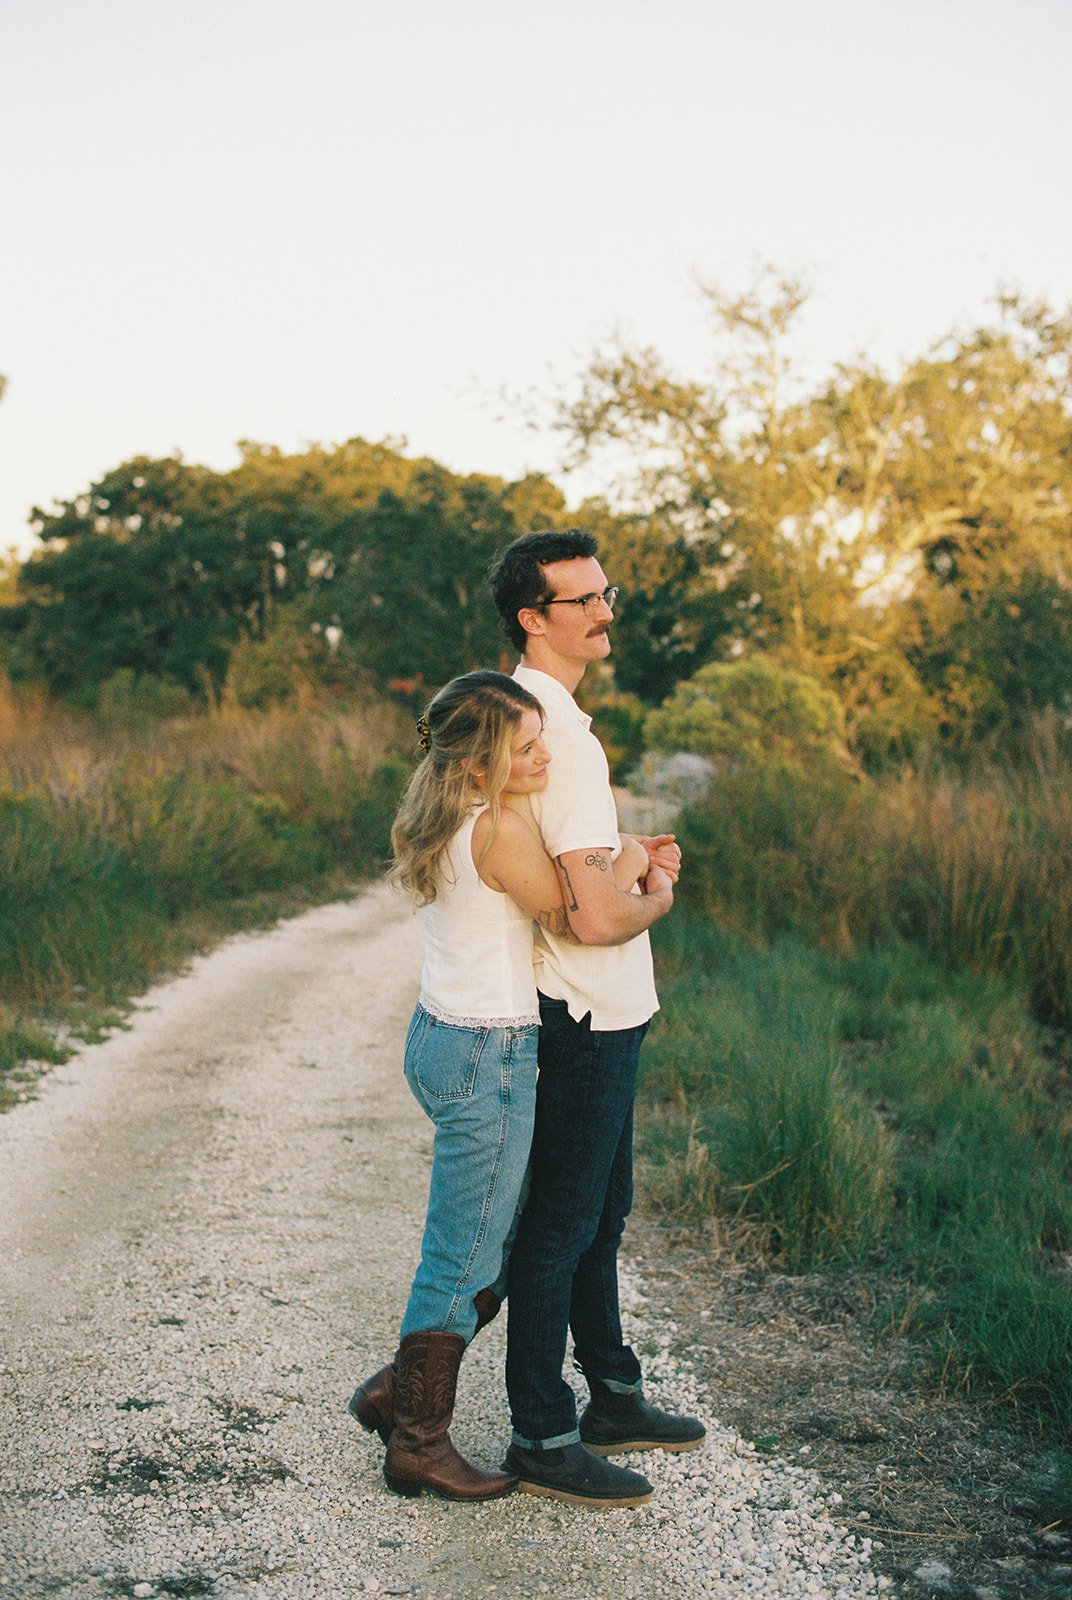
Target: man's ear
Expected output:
[531,620]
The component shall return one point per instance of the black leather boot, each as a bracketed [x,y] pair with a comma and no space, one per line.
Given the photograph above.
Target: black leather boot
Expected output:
[615,1422]
[570,1472]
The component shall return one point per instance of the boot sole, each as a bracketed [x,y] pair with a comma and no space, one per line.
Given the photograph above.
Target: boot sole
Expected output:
[412,1487]
[573,1499]
[643,1444]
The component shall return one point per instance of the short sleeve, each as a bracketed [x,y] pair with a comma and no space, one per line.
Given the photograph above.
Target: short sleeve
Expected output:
[576,811]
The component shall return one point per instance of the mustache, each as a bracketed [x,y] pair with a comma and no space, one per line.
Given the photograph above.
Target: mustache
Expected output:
[604,627]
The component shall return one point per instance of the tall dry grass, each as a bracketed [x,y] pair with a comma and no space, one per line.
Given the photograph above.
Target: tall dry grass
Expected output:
[974,866]
[113,832]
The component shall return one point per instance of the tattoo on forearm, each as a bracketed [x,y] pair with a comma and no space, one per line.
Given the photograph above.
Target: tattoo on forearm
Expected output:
[571,898]
[594,860]
[554,920]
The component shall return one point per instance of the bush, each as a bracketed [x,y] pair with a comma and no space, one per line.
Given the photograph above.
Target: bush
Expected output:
[748,1058]
[751,712]
[137,699]
[286,663]
[202,840]
[618,720]
[774,848]
[74,908]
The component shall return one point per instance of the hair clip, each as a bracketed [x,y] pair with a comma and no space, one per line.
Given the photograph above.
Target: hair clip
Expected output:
[424,734]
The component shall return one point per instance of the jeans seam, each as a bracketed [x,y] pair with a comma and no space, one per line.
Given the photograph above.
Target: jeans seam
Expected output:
[489,1194]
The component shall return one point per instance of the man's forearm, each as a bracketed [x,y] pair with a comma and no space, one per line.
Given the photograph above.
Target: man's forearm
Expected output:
[615,916]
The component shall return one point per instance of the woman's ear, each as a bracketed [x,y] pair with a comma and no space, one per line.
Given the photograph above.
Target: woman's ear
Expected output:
[478,774]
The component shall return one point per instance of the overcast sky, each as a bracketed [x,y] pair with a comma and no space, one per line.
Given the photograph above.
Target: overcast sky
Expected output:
[228,219]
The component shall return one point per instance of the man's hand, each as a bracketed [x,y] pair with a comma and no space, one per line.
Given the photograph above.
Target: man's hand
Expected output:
[663,852]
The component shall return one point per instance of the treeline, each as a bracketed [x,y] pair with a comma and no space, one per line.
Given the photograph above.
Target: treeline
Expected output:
[361,564]
[903,540]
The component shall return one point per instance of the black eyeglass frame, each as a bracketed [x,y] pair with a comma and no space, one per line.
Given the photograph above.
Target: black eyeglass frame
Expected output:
[585,601]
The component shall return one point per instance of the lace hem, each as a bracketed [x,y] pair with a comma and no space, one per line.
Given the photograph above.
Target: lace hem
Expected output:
[453,1019]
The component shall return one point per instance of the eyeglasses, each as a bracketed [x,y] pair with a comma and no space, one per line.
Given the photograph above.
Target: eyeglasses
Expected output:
[588,602]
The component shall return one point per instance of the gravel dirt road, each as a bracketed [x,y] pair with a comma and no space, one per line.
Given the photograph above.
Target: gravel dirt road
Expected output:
[207,1227]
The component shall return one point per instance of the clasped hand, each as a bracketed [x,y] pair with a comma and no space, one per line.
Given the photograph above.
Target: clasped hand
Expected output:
[663,852]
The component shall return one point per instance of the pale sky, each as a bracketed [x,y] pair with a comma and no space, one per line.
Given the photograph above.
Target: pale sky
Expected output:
[287,222]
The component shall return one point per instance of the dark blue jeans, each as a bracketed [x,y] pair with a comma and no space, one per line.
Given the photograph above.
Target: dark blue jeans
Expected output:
[564,1264]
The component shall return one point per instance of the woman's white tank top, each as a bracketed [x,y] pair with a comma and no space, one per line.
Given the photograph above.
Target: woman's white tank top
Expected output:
[477,947]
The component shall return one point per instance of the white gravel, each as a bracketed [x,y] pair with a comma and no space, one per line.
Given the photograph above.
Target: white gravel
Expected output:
[207,1227]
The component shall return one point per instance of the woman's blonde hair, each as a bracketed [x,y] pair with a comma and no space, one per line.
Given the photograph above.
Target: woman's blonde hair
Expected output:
[467,727]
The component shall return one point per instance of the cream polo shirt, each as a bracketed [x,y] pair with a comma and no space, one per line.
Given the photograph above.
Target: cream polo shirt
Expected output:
[576,812]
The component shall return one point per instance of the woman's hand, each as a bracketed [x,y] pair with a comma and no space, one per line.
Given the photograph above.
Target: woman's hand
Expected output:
[663,851]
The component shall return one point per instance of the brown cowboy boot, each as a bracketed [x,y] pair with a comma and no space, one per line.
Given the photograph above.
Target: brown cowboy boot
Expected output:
[373,1402]
[420,1454]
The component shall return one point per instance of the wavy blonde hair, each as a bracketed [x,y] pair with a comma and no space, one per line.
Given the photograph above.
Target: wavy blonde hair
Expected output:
[471,722]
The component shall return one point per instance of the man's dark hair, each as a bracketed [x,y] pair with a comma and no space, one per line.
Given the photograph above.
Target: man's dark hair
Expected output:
[517,578]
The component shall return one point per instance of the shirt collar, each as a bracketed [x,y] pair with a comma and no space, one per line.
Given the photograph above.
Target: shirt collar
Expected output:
[551,694]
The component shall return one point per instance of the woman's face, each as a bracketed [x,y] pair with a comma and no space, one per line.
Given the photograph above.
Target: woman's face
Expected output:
[529,756]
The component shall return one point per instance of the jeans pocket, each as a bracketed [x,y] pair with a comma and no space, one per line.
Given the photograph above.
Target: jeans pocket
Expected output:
[443,1060]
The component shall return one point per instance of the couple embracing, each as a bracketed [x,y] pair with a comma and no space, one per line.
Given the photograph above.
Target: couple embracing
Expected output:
[536,955]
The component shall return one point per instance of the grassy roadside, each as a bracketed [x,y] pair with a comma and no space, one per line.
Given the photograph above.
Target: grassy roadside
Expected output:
[125,848]
[871,1110]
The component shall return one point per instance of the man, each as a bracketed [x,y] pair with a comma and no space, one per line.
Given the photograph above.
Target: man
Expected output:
[596,1000]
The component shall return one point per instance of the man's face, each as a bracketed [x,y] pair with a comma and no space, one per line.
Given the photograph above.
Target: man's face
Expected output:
[567,630]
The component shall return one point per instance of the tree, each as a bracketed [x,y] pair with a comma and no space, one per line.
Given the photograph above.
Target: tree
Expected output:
[733,467]
[161,568]
[133,574]
[868,532]
[409,587]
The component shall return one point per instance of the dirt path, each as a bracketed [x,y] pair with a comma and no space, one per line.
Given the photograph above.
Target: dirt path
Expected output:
[207,1228]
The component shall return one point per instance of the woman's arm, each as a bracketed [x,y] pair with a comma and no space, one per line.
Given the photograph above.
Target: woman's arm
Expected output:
[631,864]
[516,863]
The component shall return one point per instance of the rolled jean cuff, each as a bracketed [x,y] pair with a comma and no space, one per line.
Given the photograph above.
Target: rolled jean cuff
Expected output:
[622,1388]
[557,1443]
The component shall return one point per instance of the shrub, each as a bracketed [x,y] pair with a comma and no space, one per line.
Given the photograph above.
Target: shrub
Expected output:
[751,712]
[140,698]
[286,663]
[867,1107]
[113,835]
[748,1057]
[618,721]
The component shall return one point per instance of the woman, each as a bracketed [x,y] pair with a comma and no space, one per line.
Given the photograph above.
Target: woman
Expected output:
[468,850]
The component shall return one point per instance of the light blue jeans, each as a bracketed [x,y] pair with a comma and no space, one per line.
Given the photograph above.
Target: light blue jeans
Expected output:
[478,1085]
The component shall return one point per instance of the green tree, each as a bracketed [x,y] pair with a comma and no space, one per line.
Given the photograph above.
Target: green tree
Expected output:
[140,573]
[733,467]
[162,568]
[409,588]
[872,530]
